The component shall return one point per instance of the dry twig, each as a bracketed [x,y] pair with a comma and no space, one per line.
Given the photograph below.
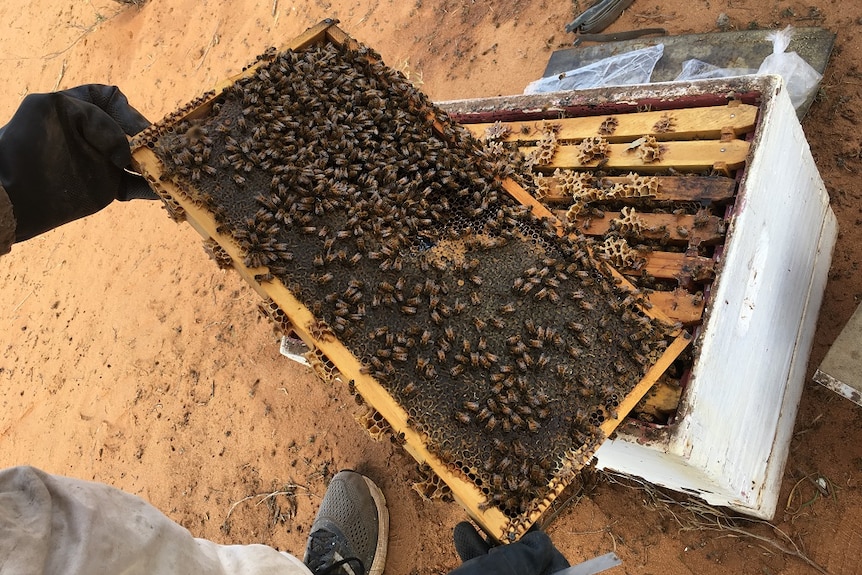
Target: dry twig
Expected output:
[288,490]
[694,515]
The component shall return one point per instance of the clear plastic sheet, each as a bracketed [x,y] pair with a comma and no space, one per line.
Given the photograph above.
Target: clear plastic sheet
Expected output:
[798,75]
[633,67]
[700,70]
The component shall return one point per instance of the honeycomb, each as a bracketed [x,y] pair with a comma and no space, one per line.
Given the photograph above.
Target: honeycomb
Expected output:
[667,123]
[431,487]
[592,149]
[649,150]
[218,254]
[584,191]
[322,366]
[629,223]
[542,185]
[618,253]
[506,344]
[608,126]
[497,131]
[374,423]
[638,186]
[572,182]
[270,310]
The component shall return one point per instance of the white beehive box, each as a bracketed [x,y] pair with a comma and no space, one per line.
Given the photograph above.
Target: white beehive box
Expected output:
[728,443]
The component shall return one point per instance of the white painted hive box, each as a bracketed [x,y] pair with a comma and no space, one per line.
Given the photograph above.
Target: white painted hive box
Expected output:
[729,439]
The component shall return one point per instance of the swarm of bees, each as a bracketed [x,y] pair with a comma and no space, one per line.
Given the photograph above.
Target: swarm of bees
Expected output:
[507,345]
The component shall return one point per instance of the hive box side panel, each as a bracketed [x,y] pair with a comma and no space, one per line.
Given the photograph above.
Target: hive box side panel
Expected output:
[799,365]
[624,454]
[632,455]
[744,388]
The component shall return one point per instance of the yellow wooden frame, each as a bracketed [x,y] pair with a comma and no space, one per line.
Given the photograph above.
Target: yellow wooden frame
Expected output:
[491,519]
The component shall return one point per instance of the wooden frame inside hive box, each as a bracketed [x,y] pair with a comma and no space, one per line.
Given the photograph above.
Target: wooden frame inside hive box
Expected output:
[745,271]
[515,400]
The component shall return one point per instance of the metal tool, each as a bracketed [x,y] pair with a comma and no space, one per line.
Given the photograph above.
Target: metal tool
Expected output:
[598,16]
[595,565]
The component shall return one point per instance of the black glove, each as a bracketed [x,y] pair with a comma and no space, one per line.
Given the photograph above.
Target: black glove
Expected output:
[533,554]
[62,156]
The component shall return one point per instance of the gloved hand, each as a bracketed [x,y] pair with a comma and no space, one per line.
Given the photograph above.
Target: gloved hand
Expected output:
[62,156]
[533,554]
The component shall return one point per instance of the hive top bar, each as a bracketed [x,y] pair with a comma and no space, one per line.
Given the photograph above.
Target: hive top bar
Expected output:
[497,347]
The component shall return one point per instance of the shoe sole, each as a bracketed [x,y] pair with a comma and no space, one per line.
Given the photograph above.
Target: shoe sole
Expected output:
[376,568]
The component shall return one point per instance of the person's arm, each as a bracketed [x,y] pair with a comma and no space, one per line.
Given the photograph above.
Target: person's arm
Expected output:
[63,156]
[533,554]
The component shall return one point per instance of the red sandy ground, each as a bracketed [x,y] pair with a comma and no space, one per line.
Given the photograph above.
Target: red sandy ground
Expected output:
[128,358]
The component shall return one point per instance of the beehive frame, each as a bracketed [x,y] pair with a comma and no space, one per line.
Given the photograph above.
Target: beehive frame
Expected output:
[498,524]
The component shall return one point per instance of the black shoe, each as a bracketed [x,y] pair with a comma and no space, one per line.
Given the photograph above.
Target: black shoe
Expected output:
[349,535]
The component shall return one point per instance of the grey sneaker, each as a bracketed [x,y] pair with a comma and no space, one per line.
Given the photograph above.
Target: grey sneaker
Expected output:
[351,530]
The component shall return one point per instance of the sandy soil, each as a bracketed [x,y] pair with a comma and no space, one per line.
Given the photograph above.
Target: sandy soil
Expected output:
[128,358]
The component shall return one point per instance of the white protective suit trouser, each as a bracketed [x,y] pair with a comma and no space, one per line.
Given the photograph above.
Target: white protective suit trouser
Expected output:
[51,524]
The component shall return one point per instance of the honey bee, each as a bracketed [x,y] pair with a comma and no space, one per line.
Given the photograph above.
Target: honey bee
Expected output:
[518,284]
[472,406]
[463,417]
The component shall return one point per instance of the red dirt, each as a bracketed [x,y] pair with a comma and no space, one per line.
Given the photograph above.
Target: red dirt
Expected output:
[129,358]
